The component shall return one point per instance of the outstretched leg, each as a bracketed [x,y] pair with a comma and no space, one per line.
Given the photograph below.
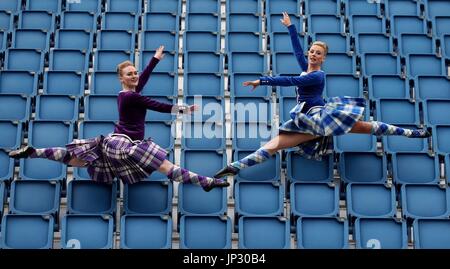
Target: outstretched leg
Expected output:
[58,154]
[176,173]
[381,128]
[281,141]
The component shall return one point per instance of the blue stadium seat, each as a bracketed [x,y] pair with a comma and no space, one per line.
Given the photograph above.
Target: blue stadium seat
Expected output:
[162,133]
[274,25]
[380,64]
[115,40]
[41,169]
[156,21]
[431,233]
[246,6]
[425,64]
[90,197]
[322,233]
[6,21]
[401,24]
[53,6]
[394,143]
[3,38]
[447,166]
[322,7]
[106,82]
[281,42]
[373,42]
[203,6]
[78,20]
[56,107]
[440,25]
[243,42]
[337,43]
[18,82]
[14,107]
[133,6]
[11,134]
[145,232]
[27,232]
[101,107]
[436,111]
[74,39]
[43,20]
[339,63]
[435,8]
[301,169]
[286,105]
[168,6]
[289,91]
[205,232]
[357,7]
[192,199]
[424,201]
[148,197]
[279,6]
[201,41]
[416,43]
[397,111]
[266,171]
[371,200]
[3,196]
[247,62]
[314,199]
[252,109]
[430,87]
[250,135]
[24,60]
[446,46]
[440,139]
[363,167]
[64,83]
[204,84]
[107,60]
[202,22]
[162,84]
[90,231]
[120,21]
[402,7]
[30,39]
[425,168]
[355,143]
[11,6]
[253,233]
[323,24]
[69,60]
[159,116]
[284,63]
[38,197]
[168,65]
[203,135]
[259,198]
[238,90]
[388,86]
[6,166]
[243,23]
[93,6]
[367,24]
[151,40]
[343,85]
[380,233]
[91,129]
[214,108]
[211,62]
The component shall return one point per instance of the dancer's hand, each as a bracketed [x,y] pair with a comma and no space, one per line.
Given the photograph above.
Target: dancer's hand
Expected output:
[254,83]
[186,109]
[159,54]
[286,21]
[193,108]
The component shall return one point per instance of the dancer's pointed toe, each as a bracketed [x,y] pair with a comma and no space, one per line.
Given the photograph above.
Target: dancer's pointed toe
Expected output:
[21,153]
[226,171]
[216,183]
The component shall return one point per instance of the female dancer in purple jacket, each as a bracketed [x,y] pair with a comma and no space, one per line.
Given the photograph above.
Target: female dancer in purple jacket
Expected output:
[125,154]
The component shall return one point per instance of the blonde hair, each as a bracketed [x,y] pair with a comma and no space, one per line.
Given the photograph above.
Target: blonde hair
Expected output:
[122,66]
[321,44]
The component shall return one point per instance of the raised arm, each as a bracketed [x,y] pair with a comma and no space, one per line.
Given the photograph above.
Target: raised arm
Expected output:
[145,75]
[310,79]
[295,41]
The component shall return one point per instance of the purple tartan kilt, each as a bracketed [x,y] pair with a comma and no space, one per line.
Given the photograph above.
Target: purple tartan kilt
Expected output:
[118,156]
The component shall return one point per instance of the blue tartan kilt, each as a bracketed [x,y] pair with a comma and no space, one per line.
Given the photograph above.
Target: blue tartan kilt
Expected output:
[117,156]
[336,117]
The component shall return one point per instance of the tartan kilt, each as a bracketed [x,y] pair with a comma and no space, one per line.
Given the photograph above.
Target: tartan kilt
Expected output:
[336,117]
[117,156]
